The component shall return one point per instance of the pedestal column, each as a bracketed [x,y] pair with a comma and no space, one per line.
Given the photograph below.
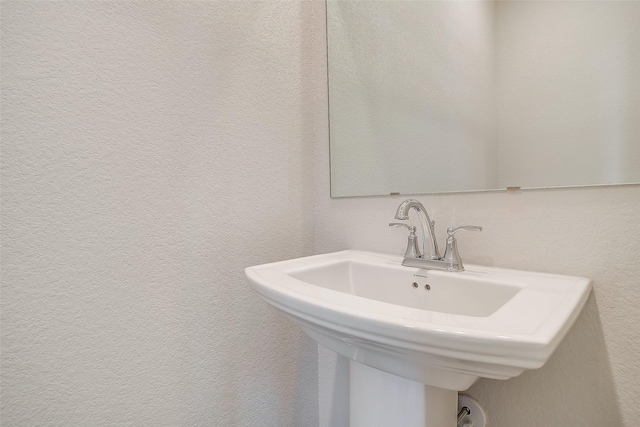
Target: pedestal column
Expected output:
[380,399]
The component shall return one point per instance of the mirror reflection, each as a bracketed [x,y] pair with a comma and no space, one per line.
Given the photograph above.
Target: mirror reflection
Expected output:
[442,96]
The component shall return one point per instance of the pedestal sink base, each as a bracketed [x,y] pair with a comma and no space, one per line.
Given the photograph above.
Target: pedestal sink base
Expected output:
[419,327]
[378,398]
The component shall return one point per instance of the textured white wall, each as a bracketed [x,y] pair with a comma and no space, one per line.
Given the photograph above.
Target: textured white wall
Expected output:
[593,379]
[151,151]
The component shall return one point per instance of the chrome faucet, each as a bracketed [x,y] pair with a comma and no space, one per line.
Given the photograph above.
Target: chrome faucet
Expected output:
[402,213]
[431,259]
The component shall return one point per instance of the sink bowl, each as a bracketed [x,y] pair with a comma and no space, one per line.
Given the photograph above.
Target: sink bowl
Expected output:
[437,328]
[467,295]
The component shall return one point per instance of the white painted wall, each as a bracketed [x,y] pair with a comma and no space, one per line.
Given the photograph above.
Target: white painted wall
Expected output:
[151,151]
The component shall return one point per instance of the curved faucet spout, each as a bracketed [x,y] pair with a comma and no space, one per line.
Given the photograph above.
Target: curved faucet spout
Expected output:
[402,213]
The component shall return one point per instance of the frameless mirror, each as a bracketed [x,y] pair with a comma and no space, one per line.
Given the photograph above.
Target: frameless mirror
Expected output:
[443,96]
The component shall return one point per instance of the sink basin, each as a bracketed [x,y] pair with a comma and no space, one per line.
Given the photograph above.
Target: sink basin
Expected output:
[437,328]
[468,295]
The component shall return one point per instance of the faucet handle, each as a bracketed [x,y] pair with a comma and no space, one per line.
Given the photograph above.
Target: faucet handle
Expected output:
[451,255]
[400,224]
[412,250]
[451,231]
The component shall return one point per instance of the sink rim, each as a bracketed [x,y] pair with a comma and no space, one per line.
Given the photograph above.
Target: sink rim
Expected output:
[523,344]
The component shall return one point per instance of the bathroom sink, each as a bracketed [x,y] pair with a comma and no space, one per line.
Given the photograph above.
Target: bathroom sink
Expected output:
[443,329]
[468,295]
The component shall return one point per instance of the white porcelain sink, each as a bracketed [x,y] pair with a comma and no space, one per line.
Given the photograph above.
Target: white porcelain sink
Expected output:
[483,322]
[468,295]
[438,328]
